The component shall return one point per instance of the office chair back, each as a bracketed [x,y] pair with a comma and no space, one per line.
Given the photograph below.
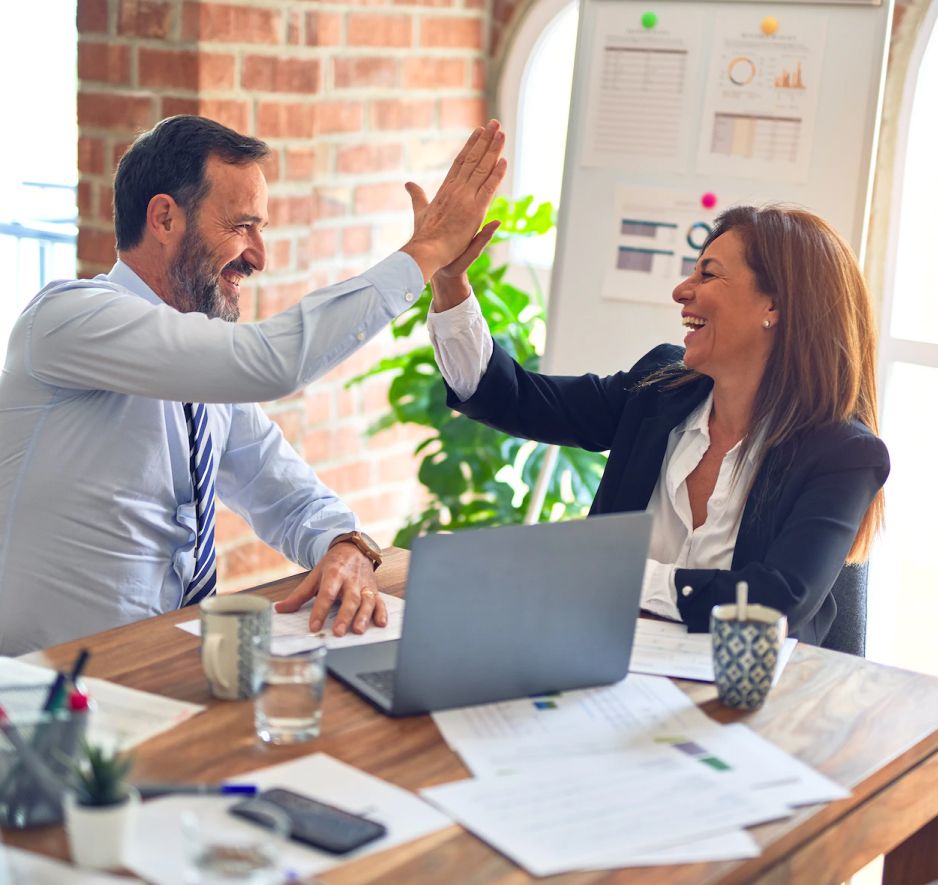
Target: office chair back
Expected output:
[848,631]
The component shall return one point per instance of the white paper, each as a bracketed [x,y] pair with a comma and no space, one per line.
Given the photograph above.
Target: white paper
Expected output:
[637,104]
[289,632]
[655,236]
[158,855]
[121,716]
[664,648]
[762,95]
[19,867]
[600,813]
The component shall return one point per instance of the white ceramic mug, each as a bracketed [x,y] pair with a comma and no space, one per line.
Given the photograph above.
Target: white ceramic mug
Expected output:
[232,627]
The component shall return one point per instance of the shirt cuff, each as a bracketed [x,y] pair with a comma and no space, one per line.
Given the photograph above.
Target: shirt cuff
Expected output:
[659,595]
[454,322]
[398,279]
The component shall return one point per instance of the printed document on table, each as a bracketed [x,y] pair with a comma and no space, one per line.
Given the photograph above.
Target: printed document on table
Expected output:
[663,648]
[289,633]
[19,867]
[158,850]
[122,716]
[501,737]
[599,813]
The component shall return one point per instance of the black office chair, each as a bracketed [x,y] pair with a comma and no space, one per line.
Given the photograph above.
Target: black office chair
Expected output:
[848,632]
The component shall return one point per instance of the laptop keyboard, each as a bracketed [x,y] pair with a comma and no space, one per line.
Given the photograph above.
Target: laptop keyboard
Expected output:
[382,681]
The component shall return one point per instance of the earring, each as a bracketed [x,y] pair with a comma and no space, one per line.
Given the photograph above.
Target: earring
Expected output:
[766,324]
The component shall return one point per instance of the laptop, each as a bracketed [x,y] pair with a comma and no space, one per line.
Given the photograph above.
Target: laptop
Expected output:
[507,612]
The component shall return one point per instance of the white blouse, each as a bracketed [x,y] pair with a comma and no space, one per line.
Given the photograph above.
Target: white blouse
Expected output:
[463,347]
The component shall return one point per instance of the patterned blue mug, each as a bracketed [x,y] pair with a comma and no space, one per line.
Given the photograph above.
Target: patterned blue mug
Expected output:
[745,653]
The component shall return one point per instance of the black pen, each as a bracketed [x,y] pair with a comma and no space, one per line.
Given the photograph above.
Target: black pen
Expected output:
[150,791]
[78,666]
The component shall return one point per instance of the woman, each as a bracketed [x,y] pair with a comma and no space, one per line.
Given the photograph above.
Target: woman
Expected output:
[754,447]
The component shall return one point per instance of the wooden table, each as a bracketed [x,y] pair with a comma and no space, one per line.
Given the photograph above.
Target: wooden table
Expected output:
[871,728]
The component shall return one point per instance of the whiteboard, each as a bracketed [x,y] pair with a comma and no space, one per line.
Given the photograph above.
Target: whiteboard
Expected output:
[709,103]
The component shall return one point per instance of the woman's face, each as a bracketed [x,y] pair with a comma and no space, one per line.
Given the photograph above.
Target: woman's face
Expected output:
[724,313]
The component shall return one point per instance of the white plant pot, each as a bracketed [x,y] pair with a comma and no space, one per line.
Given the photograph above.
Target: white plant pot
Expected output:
[99,835]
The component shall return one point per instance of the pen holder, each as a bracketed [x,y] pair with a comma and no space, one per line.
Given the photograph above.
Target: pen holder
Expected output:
[36,750]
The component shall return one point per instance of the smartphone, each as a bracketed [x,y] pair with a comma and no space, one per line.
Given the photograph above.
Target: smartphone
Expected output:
[315,823]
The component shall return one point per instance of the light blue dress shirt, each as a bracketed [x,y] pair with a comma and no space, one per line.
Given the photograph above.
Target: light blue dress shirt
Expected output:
[97,517]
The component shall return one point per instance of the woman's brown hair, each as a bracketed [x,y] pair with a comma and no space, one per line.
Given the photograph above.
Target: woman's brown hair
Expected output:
[822,368]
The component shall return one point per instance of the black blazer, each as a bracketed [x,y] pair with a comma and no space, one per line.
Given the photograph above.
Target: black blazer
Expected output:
[799,520]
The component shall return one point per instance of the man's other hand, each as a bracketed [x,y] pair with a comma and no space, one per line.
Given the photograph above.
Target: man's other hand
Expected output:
[346,574]
[445,227]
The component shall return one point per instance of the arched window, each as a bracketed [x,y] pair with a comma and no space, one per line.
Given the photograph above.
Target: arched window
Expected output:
[903,602]
[534,102]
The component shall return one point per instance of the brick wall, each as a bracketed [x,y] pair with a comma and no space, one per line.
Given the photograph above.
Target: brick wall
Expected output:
[354,98]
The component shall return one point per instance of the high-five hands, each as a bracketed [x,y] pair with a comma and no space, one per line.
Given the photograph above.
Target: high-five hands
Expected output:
[446,228]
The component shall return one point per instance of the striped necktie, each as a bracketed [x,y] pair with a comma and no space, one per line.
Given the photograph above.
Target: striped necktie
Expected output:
[201,464]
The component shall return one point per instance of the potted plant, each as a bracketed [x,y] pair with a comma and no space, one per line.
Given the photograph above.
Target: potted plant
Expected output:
[100,807]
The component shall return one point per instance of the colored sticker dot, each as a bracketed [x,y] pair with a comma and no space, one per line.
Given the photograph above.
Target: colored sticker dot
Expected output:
[769,25]
[649,20]
[708,200]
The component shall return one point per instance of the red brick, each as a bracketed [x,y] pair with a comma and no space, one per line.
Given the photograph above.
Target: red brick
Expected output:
[434,73]
[356,240]
[451,32]
[323,243]
[381,197]
[398,468]
[280,255]
[369,158]
[347,401]
[118,151]
[248,557]
[462,112]
[323,29]
[270,166]
[375,395]
[91,16]
[96,245]
[291,211]
[285,120]
[339,116]
[265,73]
[276,297]
[90,155]
[379,30]
[331,443]
[319,405]
[229,526]
[144,18]
[227,112]
[222,23]
[478,75]
[434,153]
[347,477]
[437,3]
[332,202]
[103,63]
[120,112]
[294,28]
[473,4]
[83,198]
[352,73]
[301,163]
[290,421]
[395,113]
[105,203]
[185,69]
[372,508]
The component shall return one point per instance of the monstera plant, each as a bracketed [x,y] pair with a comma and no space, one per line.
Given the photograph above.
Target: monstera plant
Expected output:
[476,476]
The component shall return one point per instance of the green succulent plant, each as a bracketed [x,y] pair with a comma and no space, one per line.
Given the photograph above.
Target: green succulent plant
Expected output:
[98,777]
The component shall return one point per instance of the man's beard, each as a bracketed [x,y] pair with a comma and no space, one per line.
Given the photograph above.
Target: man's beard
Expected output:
[195,283]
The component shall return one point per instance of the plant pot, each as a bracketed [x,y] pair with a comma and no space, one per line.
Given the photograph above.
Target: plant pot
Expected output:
[99,835]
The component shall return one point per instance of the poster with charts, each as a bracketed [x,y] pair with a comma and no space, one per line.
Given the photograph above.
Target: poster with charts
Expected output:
[655,235]
[637,104]
[762,93]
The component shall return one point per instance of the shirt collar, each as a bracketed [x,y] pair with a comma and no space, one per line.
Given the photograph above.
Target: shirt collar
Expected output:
[699,421]
[125,276]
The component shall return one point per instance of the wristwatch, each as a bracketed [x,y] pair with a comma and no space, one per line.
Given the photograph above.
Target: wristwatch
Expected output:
[368,546]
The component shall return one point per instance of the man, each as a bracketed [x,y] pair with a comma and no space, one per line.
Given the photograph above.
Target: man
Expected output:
[127,401]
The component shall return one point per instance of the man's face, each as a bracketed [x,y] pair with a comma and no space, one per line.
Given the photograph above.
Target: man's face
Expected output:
[222,242]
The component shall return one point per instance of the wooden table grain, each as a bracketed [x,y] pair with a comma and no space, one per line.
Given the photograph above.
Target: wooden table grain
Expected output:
[871,728]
